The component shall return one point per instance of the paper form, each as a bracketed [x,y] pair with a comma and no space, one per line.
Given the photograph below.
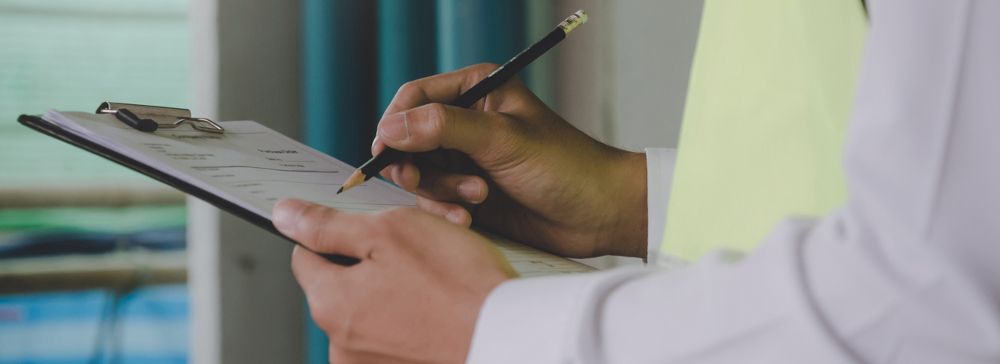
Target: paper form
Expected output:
[530,262]
[255,167]
[250,164]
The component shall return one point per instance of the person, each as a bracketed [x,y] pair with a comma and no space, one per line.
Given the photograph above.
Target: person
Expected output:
[903,271]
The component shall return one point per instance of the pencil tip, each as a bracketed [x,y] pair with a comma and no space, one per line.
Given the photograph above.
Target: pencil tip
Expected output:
[355,179]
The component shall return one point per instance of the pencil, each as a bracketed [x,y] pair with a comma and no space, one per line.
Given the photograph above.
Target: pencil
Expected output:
[480,90]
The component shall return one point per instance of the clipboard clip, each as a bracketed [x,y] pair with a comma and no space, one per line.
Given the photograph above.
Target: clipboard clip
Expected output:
[150,118]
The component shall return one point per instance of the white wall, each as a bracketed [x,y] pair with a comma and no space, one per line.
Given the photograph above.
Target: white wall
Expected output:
[245,304]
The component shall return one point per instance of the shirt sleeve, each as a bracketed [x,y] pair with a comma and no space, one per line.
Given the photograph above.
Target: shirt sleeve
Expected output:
[904,272]
[660,164]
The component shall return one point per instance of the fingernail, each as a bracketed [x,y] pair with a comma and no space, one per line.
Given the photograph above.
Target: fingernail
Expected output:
[453,216]
[286,215]
[469,190]
[394,127]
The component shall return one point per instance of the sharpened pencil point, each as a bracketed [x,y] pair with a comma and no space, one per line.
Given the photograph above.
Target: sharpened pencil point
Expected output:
[355,179]
[340,190]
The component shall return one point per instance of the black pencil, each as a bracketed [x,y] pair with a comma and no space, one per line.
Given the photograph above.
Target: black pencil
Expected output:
[480,90]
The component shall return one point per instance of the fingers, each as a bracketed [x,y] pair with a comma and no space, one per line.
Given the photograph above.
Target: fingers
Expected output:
[452,187]
[321,229]
[442,88]
[327,286]
[308,267]
[436,184]
[377,146]
[454,213]
[406,175]
[434,126]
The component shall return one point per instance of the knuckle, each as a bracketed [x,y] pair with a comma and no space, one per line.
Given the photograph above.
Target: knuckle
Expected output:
[407,88]
[437,118]
[409,95]
[313,223]
[410,90]
[313,212]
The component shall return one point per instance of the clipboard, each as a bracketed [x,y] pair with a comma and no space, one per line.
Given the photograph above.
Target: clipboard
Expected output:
[175,117]
[236,199]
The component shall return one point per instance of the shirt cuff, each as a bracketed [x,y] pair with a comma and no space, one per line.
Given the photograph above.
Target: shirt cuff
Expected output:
[659,180]
[536,320]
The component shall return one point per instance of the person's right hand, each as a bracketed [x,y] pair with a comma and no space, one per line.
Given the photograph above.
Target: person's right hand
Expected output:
[532,176]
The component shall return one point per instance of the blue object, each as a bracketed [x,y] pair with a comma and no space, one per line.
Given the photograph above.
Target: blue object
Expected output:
[49,328]
[477,31]
[34,243]
[317,345]
[339,71]
[406,45]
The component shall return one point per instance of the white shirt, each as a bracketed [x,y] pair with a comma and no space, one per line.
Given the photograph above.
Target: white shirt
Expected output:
[907,271]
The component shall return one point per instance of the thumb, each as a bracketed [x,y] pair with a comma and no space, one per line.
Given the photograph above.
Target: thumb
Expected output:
[434,126]
[323,229]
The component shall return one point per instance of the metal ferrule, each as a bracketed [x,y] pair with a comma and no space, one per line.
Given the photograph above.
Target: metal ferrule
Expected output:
[574,21]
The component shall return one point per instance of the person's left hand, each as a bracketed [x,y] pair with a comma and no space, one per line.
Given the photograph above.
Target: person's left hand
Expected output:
[414,297]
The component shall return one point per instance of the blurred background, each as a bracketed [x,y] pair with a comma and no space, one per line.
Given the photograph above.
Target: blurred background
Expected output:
[99,264]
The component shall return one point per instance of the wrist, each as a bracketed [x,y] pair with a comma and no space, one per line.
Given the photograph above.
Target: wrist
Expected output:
[628,235]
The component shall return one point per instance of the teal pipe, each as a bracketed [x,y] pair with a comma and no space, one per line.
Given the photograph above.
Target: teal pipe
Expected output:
[477,31]
[406,45]
[339,69]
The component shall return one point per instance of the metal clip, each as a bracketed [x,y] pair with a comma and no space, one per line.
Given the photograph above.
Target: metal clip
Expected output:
[150,118]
